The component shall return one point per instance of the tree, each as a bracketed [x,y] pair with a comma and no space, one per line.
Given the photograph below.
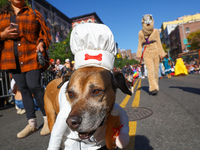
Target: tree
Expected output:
[61,50]
[120,63]
[164,47]
[194,40]
[2,3]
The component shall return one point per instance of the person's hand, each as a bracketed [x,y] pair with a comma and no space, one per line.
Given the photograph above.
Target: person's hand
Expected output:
[40,47]
[161,58]
[9,33]
[138,59]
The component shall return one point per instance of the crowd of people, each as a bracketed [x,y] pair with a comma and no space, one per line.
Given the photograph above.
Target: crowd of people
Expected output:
[167,68]
[58,70]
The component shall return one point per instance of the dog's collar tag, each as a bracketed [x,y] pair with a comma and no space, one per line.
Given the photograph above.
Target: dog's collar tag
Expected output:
[97,57]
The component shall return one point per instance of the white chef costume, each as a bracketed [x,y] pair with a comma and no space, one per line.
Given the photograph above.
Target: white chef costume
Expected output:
[92,45]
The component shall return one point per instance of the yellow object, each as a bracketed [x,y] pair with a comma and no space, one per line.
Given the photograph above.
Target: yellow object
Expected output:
[112,131]
[180,68]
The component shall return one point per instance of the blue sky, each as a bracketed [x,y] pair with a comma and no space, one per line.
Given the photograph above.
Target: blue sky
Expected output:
[123,17]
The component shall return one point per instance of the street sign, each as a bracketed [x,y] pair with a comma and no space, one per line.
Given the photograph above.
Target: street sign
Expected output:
[185,41]
[119,55]
[188,45]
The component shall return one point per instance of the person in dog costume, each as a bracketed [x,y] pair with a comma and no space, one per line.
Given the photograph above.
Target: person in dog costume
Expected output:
[149,39]
[90,40]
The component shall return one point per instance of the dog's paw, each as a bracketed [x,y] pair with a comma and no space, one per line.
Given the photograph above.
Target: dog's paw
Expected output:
[132,89]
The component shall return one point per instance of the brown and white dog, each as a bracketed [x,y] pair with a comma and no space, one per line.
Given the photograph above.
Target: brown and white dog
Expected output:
[91,93]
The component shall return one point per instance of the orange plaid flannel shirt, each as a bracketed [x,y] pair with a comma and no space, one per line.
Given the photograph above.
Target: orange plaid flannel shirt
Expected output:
[32,29]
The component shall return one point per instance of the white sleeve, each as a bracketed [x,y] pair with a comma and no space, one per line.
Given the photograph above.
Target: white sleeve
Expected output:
[59,129]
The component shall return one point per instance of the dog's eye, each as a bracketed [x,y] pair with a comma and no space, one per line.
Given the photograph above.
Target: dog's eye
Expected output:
[96,92]
[71,94]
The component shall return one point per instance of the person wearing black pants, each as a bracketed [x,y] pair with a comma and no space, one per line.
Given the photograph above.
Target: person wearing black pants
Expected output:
[28,84]
[24,35]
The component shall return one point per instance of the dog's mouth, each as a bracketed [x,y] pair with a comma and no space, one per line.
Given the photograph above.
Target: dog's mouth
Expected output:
[85,135]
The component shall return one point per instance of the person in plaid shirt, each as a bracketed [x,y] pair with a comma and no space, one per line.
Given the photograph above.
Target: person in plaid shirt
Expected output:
[23,33]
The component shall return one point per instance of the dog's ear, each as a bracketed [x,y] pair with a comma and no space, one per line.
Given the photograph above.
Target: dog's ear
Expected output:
[120,82]
[65,78]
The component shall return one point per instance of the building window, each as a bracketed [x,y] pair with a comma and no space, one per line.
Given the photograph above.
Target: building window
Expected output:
[187,30]
[59,23]
[65,27]
[89,21]
[75,24]
[37,8]
[82,22]
[46,16]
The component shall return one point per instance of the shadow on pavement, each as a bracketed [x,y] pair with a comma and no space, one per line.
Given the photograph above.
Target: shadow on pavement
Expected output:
[187,89]
[144,88]
[139,142]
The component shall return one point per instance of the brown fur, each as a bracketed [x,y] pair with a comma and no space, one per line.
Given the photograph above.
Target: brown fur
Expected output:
[91,93]
[151,56]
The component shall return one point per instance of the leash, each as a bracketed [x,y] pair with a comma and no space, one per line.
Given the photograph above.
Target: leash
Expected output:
[142,54]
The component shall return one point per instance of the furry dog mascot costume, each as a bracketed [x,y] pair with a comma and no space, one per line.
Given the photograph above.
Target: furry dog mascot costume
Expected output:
[149,39]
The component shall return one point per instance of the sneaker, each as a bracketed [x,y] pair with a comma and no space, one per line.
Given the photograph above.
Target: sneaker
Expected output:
[19,111]
[45,129]
[154,92]
[22,111]
[27,131]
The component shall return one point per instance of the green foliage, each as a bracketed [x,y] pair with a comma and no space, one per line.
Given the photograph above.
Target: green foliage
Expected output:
[2,3]
[164,47]
[120,63]
[194,40]
[27,3]
[61,50]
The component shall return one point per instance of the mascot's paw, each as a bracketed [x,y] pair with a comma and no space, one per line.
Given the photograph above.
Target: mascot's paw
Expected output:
[122,140]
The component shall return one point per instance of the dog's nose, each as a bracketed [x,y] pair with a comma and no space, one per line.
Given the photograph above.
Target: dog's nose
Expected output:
[74,122]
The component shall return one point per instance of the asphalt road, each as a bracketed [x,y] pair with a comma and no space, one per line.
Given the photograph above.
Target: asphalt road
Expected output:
[167,121]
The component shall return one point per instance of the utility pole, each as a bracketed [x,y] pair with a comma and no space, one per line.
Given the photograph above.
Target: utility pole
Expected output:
[184,39]
[32,3]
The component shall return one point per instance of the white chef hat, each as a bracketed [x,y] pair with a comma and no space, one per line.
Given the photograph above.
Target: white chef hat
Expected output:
[93,45]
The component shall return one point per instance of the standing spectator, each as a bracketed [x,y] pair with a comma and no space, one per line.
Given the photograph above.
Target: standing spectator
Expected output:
[66,67]
[167,63]
[142,70]
[19,44]
[145,71]
[129,70]
[196,65]
[17,97]
[139,70]
[160,70]
[52,67]
[124,70]
[58,65]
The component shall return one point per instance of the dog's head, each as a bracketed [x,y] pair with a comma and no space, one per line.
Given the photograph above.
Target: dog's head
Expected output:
[147,24]
[129,78]
[91,93]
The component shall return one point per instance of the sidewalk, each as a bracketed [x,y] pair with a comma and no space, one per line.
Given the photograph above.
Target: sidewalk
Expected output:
[11,123]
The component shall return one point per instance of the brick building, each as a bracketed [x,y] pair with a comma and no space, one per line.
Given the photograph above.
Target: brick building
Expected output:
[58,23]
[178,38]
[87,18]
[125,53]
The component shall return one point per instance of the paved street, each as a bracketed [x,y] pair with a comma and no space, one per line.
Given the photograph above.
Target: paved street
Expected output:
[168,121]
